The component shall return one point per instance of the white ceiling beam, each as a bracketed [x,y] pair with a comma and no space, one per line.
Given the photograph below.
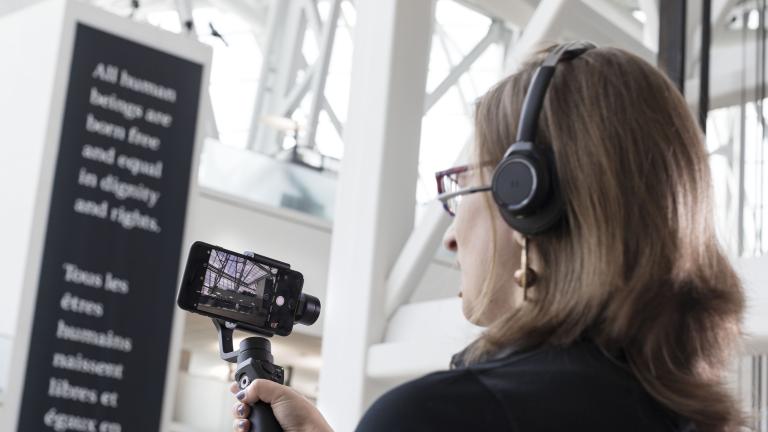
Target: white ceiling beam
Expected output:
[651,27]
[720,10]
[323,62]
[515,12]
[557,20]
[543,26]
[621,17]
[597,20]
[415,257]
[584,21]
[493,35]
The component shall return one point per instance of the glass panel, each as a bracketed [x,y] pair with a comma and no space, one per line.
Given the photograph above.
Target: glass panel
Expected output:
[251,176]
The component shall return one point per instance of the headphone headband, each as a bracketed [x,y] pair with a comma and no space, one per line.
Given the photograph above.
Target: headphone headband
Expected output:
[534,98]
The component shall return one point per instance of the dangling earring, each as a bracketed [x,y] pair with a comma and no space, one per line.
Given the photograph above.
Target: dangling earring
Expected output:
[525,277]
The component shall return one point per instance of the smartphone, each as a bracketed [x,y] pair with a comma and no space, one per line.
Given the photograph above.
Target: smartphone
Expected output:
[257,293]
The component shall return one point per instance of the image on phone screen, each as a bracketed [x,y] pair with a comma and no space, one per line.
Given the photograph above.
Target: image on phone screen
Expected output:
[236,284]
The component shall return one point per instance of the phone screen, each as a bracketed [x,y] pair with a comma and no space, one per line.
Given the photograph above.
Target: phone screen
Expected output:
[255,292]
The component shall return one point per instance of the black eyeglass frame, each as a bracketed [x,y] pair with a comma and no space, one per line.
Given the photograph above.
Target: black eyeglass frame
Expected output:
[443,196]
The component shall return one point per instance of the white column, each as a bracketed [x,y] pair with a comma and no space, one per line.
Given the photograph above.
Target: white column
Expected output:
[376,192]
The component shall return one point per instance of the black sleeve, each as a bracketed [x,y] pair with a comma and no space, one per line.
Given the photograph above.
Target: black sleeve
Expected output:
[444,401]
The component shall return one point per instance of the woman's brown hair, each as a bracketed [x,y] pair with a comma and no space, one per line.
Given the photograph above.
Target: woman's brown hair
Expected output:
[635,266]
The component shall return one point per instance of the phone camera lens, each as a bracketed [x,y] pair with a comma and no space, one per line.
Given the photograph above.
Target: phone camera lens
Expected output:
[308,311]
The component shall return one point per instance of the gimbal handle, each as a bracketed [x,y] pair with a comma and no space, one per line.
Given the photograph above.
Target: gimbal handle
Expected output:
[263,419]
[254,361]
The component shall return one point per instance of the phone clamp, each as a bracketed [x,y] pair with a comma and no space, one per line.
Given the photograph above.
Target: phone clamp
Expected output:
[254,361]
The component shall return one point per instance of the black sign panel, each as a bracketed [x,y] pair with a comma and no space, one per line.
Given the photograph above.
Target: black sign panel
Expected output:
[97,357]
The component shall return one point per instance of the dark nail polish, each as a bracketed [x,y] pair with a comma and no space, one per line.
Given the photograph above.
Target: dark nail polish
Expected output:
[241,424]
[240,395]
[240,410]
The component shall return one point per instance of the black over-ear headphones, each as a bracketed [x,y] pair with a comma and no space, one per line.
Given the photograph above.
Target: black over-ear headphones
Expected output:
[525,185]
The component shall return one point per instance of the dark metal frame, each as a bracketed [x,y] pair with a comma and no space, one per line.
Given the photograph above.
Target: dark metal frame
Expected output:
[706,42]
[672,14]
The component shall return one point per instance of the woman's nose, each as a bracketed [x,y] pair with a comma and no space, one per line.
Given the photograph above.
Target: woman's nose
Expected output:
[449,239]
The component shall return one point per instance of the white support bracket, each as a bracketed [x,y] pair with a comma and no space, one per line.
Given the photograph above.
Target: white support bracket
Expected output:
[415,257]
[282,87]
[320,72]
[493,35]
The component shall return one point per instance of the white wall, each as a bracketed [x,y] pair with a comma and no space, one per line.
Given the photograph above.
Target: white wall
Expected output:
[195,392]
[26,86]
[23,125]
[10,6]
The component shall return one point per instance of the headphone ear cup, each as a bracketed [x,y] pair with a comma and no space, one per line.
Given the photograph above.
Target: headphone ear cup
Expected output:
[549,216]
[525,189]
[518,184]
[521,180]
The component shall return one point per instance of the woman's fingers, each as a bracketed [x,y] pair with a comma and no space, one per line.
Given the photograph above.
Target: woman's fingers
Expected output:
[292,410]
[234,388]
[241,425]
[241,410]
[261,390]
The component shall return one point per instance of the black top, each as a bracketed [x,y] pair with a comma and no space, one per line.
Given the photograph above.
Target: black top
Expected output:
[578,388]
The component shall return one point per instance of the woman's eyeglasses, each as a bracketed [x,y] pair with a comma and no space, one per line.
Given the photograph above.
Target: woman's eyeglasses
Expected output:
[449,192]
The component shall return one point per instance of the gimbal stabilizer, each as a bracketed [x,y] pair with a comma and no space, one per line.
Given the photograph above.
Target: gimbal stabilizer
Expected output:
[254,358]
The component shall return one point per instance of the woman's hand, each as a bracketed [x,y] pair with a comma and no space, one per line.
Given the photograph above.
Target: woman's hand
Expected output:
[292,410]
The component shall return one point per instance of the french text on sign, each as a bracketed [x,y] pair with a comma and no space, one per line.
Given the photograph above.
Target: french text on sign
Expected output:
[79,363]
[109,281]
[86,336]
[63,422]
[76,275]
[73,303]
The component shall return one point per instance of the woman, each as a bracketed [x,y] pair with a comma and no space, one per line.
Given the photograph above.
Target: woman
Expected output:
[624,309]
